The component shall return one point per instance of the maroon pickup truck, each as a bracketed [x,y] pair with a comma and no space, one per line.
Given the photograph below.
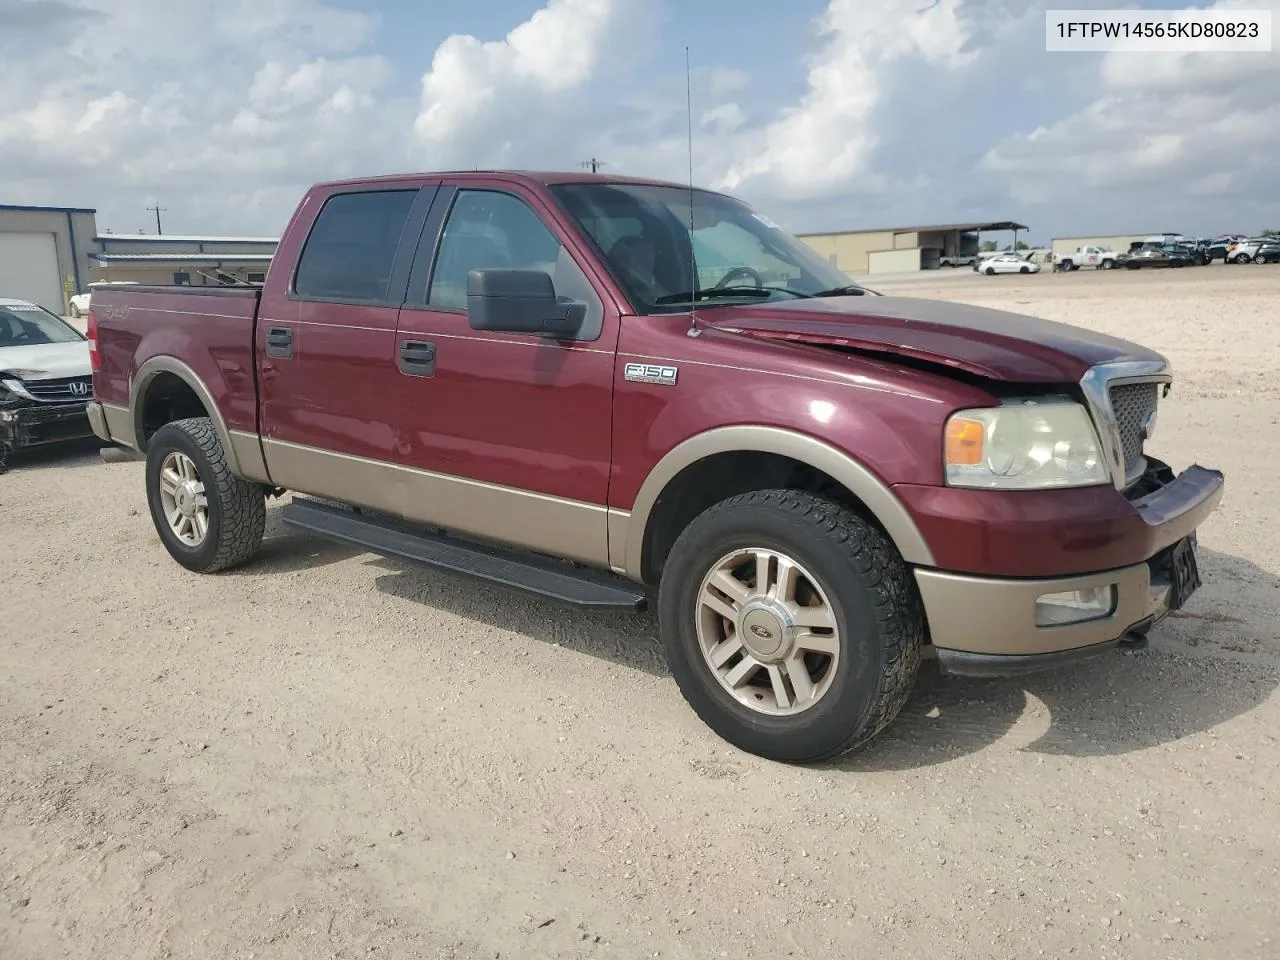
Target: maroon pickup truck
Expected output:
[601,390]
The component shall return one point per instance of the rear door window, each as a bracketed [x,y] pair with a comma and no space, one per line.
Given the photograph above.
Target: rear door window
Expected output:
[349,256]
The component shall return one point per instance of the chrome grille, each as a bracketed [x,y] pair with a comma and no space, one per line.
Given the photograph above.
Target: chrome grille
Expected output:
[60,389]
[1133,404]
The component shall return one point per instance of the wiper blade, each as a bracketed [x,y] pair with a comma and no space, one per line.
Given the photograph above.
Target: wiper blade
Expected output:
[852,290]
[738,291]
[714,292]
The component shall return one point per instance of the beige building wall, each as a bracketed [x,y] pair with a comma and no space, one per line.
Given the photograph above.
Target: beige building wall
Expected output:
[904,241]
[894,261]
[161,274]
[849,250]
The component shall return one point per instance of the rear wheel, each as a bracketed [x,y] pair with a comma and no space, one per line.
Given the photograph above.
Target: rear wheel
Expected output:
[73,311]
[1242,258]
[990,271]
[1067,266]
[1024,269]
[207,518]
[791,625]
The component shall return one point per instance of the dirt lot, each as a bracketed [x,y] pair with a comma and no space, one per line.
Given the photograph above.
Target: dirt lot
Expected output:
[329,755]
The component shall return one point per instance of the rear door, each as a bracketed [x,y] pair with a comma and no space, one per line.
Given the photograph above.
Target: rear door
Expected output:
[514,429]
[326,343]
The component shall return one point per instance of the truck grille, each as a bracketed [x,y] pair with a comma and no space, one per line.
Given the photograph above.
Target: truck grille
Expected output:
[1133,404]
[60,390]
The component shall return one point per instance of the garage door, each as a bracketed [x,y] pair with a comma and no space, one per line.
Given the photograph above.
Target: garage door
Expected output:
[29,269]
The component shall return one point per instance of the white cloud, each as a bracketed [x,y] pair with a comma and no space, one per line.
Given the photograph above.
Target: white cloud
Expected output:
[827,140]
[906,110]
[1161,129]
[133,103]
[511,100]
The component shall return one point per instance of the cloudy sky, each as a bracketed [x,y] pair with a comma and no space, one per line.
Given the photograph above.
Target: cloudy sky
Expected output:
[828,114]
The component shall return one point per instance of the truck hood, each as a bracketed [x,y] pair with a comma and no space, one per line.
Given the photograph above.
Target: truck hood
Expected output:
[994,344]
[49,360]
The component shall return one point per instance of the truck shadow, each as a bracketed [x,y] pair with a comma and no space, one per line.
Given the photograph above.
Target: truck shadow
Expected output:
[1205,665]
[1215,660]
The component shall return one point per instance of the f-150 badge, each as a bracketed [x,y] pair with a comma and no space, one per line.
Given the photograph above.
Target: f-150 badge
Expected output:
[650,373]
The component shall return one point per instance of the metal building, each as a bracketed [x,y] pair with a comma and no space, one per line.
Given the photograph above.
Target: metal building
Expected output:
[903,249]
[185,260]
[44,253]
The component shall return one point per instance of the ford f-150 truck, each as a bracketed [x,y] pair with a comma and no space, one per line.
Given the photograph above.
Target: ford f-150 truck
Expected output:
[607,391]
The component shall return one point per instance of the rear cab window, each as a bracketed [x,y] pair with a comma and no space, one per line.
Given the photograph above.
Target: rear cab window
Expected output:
[351,250]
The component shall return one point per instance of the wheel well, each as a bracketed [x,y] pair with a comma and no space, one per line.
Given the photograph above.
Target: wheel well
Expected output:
[724,475]
[168,398]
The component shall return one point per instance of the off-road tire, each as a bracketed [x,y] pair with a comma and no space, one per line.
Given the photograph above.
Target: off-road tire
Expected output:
[870,588]
[237,508]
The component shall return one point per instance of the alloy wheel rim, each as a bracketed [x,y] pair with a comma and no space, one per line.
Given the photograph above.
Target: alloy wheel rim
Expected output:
[183,499]
[767,631]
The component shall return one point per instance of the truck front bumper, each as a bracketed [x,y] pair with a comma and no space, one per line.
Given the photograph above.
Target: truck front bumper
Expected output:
[981,625]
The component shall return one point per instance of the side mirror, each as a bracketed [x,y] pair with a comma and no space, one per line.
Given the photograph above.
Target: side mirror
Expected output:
[521,301]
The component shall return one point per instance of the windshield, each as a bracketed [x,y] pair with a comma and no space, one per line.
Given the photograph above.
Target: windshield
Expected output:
[26,325]
[737,255]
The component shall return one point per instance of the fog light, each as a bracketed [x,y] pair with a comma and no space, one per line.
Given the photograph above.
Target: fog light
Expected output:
[1075,606]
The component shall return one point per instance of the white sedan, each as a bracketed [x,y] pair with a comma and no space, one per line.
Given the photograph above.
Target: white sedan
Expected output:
[1006,263]
[79,304]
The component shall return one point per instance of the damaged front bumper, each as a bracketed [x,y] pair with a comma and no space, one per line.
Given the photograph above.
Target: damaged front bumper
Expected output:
[26,424]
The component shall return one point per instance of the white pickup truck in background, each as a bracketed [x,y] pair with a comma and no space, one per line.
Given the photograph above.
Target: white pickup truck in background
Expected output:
[1095,257]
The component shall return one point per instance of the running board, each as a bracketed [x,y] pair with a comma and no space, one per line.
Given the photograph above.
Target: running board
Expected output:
[589,589]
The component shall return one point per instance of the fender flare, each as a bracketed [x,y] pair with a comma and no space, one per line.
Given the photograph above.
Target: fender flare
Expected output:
[875,495]
[157,365]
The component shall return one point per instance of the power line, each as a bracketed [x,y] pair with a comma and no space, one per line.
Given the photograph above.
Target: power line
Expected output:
[158,210]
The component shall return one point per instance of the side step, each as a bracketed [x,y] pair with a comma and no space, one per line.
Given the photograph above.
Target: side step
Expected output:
[590,589]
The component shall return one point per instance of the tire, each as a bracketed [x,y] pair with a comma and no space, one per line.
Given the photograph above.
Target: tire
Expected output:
[1024,269]
[1108,264]
[990,271]
[235,509]
[1067,266]
[73,311]
[867,593]
[1242,258]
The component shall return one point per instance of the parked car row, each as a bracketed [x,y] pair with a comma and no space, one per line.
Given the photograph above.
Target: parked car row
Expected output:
[1173,250]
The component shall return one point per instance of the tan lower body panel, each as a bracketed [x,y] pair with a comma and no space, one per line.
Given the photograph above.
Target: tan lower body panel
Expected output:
[986,615]
[566,528]
[247,454]
[118,422]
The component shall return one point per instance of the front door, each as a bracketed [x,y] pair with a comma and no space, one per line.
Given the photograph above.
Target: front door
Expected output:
[510,431]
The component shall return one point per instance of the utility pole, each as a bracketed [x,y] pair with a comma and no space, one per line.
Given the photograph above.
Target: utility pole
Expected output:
[158,210]
[593,164]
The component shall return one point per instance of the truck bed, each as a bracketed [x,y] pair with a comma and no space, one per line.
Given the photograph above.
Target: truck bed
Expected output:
[210,328]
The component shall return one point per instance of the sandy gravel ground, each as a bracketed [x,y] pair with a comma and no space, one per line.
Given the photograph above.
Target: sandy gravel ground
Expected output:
[328,755]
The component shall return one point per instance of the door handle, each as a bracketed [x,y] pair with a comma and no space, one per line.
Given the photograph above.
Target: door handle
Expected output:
[418,358]
[280,343]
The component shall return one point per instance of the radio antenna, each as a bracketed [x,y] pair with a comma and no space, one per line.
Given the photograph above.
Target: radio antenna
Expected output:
[693,330]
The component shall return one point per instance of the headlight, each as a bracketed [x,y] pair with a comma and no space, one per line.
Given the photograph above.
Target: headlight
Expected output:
[16,388]
[1024,445]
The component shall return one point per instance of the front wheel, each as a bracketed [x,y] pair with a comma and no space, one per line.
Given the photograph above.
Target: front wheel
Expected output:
[208,518]
[1242,258]
[1108,264]
[792,626]
[990,271]
[1024,269]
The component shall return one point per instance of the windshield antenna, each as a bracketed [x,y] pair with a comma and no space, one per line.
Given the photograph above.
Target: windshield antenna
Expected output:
[693,330]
